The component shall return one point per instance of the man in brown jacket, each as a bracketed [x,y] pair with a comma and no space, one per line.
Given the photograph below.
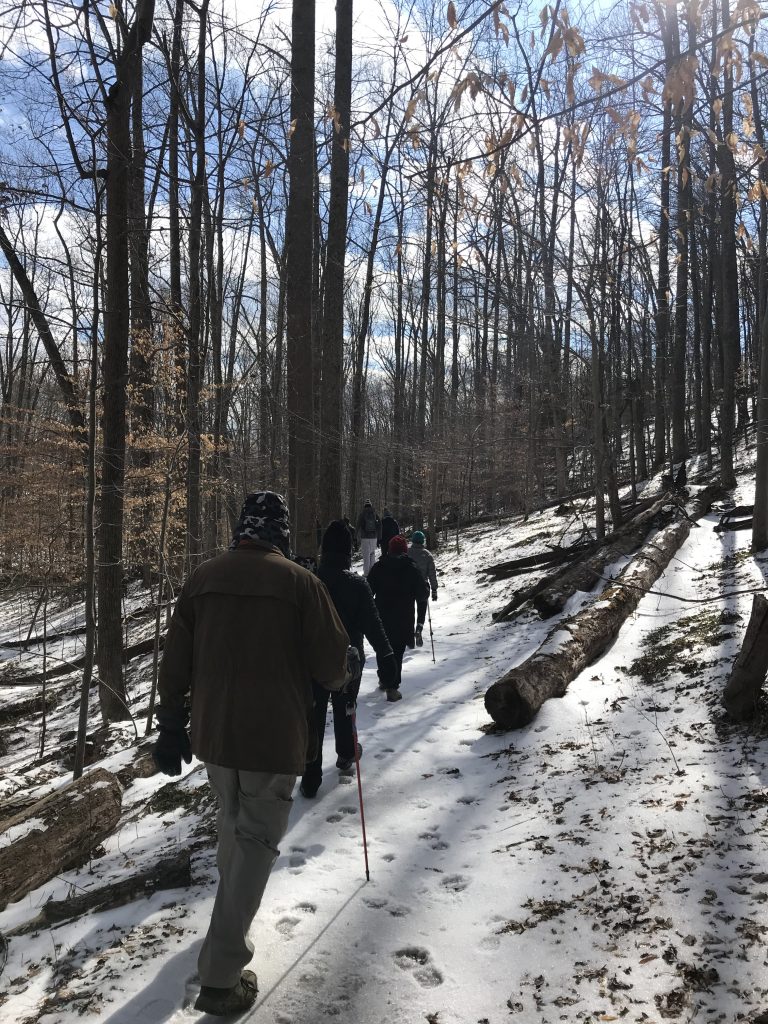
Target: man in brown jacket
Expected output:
[250,632]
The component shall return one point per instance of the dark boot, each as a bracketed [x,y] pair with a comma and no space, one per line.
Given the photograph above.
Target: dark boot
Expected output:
[310,785]
[419,640]
[225,1002]
[344,764]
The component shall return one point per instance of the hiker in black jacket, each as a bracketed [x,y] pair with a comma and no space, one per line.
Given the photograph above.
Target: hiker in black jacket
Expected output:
[397,585]
[355,606]
[389,529]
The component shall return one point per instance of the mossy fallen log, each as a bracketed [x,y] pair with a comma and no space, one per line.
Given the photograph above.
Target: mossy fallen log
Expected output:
[170,873]
[515,699]
[57,833]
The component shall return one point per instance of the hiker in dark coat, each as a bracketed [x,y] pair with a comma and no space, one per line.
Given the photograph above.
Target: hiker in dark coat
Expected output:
[397,585]
[369,531]
[418,553]
[389,529]
[354,603]
[250,634]
[352,533]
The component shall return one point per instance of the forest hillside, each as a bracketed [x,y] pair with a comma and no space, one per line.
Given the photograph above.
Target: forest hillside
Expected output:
[605,862]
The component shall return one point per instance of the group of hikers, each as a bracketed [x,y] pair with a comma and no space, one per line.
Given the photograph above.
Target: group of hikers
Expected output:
[257,646]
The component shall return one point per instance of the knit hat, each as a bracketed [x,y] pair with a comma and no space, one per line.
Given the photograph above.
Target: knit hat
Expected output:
[367,504]
[398,546]
[418,537]
[337,540]
[264,516]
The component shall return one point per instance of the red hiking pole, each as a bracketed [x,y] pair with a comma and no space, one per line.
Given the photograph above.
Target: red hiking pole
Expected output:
[360,792]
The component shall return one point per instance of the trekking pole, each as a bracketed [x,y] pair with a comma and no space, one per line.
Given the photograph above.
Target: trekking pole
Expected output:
[431,635]
[360,793]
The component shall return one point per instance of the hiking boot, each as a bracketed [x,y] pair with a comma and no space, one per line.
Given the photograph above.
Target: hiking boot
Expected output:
[393,695]
[224,1002]
[309,787]
[345,764]
[419,640]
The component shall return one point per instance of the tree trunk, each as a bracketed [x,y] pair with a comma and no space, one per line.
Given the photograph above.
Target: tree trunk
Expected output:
[298,276]
[745,683]
[171,873]
[332,392]
[115,368]
[585,575]
[57,833]
[516,698]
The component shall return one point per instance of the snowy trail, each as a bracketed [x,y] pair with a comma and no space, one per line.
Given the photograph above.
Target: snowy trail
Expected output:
[608,862]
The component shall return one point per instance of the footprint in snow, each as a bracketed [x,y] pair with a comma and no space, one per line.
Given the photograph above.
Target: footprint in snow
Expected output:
[434,840]
[286,926]
[374,902]
[418,960]
[306,908]
[388,857]
[333,818]
[454,883]
[467,799]
[399,911]
[297,858]
[348,810]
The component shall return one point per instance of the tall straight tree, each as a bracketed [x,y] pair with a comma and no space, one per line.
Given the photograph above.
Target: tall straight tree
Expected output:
[298,276]
[332,391]
[115,364]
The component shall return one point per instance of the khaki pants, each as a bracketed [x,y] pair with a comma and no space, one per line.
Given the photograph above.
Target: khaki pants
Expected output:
[252,819]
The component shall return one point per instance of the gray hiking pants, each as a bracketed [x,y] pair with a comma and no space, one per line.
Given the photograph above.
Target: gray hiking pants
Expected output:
[252,819]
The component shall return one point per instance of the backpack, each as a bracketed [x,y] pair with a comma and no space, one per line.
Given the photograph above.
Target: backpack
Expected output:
[369,518]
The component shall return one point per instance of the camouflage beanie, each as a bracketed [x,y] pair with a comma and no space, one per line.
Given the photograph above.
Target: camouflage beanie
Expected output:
[264,516]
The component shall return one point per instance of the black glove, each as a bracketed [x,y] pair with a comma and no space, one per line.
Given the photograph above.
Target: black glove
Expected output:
[354,669]
[173,743]
[387,672]
[434,595]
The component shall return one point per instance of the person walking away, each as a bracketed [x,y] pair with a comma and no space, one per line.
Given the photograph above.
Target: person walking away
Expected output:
[369,532]
[389,529]
[426,564]
[250,631]
[357,610]
[397,585]
[352,533]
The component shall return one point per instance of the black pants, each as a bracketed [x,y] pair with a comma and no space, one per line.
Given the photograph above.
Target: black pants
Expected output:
[398,650]
[421,611]
[342,728]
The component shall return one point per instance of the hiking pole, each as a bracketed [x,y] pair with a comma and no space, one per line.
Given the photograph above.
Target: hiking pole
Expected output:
[360,790]
[431,635]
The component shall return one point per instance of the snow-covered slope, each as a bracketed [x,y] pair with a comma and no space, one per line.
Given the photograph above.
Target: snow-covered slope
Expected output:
[607,862]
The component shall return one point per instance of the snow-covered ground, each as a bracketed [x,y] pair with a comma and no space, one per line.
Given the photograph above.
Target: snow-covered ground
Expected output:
[608,862]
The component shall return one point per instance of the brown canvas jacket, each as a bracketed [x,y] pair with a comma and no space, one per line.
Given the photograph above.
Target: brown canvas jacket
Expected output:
[250,631]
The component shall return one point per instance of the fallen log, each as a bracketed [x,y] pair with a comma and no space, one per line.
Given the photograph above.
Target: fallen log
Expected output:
[742,691]
[57,833]
[10,674]
[514,700]
[587,571]
[546,559]
[172,873]
[12,713]
[553,581]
